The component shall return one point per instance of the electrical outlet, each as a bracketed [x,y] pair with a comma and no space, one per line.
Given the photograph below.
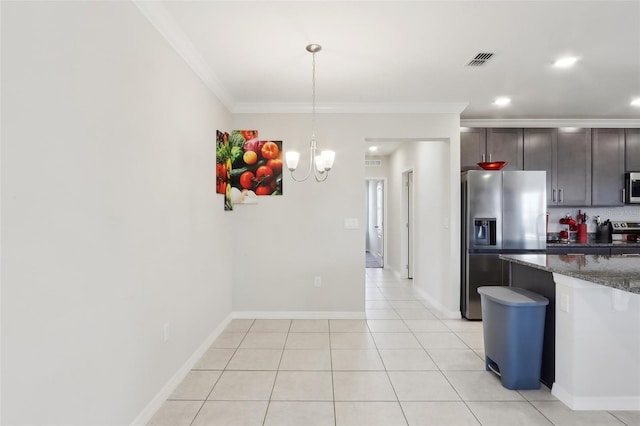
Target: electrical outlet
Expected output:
[165,332]
[317,282]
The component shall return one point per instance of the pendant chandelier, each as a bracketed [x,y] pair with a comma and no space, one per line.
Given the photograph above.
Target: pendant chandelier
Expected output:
[322,162]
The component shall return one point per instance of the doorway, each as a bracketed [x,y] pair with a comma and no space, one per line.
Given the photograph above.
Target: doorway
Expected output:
[375,196]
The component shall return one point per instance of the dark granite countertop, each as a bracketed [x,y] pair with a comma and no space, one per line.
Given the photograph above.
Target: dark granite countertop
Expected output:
[592,243]
[621,272]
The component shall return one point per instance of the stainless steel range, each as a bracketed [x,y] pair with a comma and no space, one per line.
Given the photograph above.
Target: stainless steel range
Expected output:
[625,227]
[625,231]
[502,212]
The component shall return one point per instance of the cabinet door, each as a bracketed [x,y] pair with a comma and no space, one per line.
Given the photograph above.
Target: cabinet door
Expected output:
[473,145]
[573,167]
[505,145]
[538,154]
[607,167]
[632,150]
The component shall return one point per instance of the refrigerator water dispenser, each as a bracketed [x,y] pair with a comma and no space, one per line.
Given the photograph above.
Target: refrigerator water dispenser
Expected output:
[485,232]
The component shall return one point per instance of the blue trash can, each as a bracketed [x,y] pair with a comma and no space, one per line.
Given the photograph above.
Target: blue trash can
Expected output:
[513,325]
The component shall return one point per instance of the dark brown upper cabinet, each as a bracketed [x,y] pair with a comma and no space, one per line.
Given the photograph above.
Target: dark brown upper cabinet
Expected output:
[632,150]
[565,154]
[607,167]
[500,144]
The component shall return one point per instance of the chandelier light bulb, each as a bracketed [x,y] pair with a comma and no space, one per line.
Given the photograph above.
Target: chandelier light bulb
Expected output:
[292,158]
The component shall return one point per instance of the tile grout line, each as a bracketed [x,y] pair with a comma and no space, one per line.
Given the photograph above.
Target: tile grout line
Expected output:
[371,334]
[275,379]
[333,388]
[387,372]
[221,373]
[439,370]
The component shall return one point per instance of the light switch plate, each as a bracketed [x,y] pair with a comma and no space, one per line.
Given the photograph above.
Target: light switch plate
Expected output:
[351,223]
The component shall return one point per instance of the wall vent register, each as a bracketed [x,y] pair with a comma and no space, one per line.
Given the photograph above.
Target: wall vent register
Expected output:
[480,59]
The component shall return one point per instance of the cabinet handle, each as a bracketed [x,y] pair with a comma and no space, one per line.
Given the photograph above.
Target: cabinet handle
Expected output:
[553,195]
[489,157]
[560,195]
[624,196]
[483,157]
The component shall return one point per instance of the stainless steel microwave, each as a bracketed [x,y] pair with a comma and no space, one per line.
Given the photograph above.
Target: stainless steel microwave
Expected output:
[632,187]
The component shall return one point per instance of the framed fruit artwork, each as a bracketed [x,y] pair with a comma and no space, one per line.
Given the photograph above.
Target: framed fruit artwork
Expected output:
[256,167]
[224,154]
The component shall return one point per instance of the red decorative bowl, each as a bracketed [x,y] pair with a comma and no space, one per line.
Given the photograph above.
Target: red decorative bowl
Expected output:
[494,165]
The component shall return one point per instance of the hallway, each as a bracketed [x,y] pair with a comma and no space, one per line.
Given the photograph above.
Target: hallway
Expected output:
[402,365]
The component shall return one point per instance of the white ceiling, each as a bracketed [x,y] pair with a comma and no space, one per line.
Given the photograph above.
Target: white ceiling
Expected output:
[410,56]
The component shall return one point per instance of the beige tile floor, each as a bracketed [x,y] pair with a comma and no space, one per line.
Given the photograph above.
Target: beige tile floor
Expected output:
[402,366]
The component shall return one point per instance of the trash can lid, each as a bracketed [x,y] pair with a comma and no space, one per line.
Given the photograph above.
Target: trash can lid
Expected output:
[513,296]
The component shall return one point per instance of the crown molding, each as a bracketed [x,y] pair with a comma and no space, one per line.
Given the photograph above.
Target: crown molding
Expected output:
[162,20]
[552,122]
[352,108]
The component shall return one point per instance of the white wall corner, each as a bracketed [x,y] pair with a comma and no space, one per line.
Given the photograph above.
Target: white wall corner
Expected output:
[156,402]
[162,20]
[444,312]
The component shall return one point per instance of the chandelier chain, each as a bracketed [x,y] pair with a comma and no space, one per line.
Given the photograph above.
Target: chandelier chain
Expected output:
[319,163]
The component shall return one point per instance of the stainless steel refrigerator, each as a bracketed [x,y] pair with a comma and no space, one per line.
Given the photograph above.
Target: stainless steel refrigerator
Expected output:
[502,212]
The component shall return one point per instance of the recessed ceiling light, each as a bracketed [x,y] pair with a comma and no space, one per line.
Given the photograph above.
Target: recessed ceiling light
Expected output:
[635,102]
[502,101]
[373,148]
[565,62]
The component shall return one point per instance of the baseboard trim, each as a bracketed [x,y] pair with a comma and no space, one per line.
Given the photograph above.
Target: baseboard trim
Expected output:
[297,315]
[444,313]
[154,405]
[605,403]
[395,272]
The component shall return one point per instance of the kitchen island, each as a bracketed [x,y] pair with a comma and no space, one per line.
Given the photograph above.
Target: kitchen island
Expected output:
[591,353]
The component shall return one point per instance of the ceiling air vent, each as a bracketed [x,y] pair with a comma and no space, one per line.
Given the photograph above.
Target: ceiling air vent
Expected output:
[373,163]
[480,59]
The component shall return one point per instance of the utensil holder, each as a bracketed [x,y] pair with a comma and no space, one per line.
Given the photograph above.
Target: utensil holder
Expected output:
[603,234]
[582,233]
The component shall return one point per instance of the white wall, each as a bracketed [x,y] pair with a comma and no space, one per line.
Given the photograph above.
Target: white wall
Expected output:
[432,224]
[110,224]
[301,235]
